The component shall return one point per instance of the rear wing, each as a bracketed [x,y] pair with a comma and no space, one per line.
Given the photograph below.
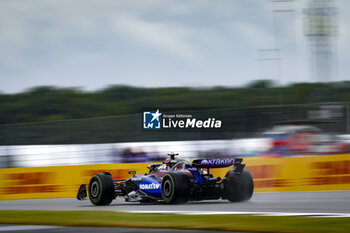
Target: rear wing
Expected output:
[216,163]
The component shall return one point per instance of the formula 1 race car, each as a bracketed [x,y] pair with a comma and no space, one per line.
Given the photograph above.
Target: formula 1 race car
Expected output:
[174,181]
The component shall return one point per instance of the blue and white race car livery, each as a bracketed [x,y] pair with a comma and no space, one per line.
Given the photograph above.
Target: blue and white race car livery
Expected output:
[174,181]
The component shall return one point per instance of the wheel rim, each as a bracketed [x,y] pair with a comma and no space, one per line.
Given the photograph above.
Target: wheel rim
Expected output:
[167,188]
[95,189]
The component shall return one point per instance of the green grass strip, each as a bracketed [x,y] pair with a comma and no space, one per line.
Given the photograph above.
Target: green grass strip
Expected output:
[201,222]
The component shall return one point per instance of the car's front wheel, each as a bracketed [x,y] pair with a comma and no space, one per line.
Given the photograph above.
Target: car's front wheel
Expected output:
[101,189]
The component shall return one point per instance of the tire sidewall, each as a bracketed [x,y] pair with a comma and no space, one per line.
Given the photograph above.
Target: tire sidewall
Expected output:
[168,199]
[180,188]
[246,185]
[105,193]
[95,200]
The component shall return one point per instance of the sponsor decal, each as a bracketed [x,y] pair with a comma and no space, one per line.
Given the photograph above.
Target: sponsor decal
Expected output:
[149,186]
[268,176]
[204,161]
[136,178]
[217,161]
[192,169]
[330,173]
[30,182]
[116,173]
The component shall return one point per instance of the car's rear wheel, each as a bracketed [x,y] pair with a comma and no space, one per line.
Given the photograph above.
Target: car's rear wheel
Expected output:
[238,187]
[176,188]
[101,189]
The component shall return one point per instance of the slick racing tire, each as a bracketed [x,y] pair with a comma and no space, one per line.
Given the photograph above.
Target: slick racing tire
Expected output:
[176,188]
[238,187]
[101,189]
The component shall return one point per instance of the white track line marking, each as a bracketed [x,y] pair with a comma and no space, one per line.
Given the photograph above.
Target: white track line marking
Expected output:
[25,227]
[241,213]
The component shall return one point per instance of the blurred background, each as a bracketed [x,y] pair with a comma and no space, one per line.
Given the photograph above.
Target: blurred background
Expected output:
[75,75]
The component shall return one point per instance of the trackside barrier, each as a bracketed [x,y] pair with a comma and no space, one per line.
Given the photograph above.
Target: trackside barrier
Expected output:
[56,181]
[294,174]
[312,173]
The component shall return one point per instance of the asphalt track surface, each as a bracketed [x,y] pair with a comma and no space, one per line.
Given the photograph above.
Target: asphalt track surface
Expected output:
[289,202]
